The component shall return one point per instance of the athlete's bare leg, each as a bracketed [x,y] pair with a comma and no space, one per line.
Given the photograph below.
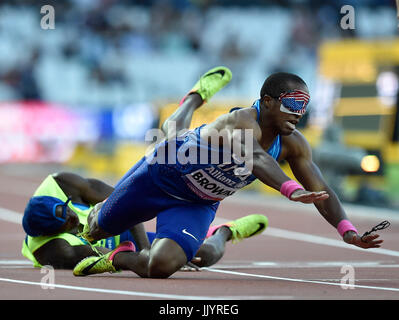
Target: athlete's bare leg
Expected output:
[183,115]
[213,248]
[166,256]
[59,254]
[163,259]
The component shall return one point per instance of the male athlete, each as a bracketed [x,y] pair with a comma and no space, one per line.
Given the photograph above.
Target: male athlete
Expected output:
[56,213]
[184,195]
[59,208]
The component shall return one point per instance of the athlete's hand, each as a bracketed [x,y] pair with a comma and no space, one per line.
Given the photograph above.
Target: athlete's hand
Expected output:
[308,196]
[191,266]
[366,243]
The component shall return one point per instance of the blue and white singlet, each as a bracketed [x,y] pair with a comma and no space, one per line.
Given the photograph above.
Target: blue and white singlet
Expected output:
[186,177]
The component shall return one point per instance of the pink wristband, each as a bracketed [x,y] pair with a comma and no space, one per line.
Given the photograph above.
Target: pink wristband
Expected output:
[344,226]
[288,187]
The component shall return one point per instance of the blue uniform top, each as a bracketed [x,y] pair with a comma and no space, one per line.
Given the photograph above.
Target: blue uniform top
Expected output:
[189,168]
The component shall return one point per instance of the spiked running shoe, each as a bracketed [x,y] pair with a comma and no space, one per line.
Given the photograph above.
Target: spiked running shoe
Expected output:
[244,227]
[211,82]
[102,263]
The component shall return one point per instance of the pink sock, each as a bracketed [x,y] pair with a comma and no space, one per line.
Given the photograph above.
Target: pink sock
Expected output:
[124,246]
[213,229]
[182,100]
[185,97]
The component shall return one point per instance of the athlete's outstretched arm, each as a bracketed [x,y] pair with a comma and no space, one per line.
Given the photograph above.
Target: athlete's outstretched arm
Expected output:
[309,175]
[258,161]
[266,169]
[91,191]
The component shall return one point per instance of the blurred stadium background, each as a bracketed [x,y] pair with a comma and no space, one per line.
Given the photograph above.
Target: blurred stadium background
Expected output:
[83,95]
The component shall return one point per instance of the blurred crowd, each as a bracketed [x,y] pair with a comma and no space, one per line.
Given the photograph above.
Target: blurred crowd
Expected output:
[104,52]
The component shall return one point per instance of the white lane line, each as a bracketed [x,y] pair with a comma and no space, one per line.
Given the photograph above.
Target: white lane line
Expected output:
[357,280]
[259,264]
[304,264]
[299,236]
[16,267]
[132,293]
[10,216]
[15,262]
[279,204]
[297,280]
[15,217]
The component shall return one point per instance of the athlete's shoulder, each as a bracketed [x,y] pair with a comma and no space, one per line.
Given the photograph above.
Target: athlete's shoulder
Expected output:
[235,109]
[243,117]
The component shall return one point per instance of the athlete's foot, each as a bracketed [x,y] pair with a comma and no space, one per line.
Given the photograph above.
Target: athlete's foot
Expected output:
[102,263]
[244,227]
[210,83]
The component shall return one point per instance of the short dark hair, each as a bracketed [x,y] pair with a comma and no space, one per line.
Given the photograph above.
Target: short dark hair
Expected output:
[278,83]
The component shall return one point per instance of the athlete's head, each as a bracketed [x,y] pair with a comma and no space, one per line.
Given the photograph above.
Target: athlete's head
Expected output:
[284,97]
[46,215]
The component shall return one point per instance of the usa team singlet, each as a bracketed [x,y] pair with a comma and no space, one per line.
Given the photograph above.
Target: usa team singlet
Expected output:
[196,181]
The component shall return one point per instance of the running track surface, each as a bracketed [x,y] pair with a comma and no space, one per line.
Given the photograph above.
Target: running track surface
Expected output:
[298,257]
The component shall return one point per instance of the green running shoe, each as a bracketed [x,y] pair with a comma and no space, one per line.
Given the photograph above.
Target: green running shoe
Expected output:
[244,227]
[102,263]
[211,82]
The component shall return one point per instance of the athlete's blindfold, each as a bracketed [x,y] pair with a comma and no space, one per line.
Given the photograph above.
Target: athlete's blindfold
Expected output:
[294,102]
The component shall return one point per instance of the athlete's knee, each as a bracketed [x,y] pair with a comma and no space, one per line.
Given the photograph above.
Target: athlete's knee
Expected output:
[162,266]
[166,257]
